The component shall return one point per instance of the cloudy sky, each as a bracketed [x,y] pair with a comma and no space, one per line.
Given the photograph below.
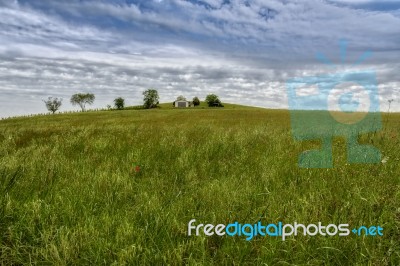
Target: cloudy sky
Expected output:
[244,51]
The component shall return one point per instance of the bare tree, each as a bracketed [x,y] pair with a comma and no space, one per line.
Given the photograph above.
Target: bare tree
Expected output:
[53,104]
[390,102]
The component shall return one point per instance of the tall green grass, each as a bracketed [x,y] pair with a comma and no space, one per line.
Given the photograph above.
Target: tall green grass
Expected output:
[71,196]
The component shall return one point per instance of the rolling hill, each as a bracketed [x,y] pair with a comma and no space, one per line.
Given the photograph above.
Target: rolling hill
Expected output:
[120,187]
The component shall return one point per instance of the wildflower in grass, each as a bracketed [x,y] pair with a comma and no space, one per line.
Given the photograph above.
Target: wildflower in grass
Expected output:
[135,168]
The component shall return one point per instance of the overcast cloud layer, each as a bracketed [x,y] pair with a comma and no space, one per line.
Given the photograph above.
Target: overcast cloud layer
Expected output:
[242,50]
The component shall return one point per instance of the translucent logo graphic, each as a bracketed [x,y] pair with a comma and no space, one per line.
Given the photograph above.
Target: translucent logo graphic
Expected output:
[344,104]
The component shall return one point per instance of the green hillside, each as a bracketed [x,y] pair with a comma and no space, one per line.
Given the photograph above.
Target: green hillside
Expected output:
[120,187]
[203,105]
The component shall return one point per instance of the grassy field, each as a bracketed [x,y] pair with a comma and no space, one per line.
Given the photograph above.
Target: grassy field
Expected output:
[70,194]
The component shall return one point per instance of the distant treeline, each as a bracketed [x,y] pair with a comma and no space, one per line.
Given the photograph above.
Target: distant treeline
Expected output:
[150,100]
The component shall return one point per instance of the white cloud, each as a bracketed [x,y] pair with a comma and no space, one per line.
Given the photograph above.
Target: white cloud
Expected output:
[232,50]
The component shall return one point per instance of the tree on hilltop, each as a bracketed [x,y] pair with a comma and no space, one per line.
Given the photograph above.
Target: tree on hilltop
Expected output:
[119,103]
[213,101]
[82,99]
[196,101]
[53,104]
[181,98]
[150,99]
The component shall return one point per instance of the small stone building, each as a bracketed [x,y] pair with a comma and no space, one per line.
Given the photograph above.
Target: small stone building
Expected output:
[183,104]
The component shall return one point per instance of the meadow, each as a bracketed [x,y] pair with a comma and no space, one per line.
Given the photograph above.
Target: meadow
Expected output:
[71,193]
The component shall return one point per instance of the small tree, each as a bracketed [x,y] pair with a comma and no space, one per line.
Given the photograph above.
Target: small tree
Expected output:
[82,99]
[181,98]
[196,101]
[213,101]
[150,99]
[119,103]
[53,104]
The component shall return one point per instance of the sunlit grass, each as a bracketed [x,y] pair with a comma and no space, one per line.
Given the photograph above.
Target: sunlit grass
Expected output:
[69,195]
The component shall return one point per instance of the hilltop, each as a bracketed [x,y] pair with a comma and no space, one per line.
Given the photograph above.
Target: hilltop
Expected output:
[203,105]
